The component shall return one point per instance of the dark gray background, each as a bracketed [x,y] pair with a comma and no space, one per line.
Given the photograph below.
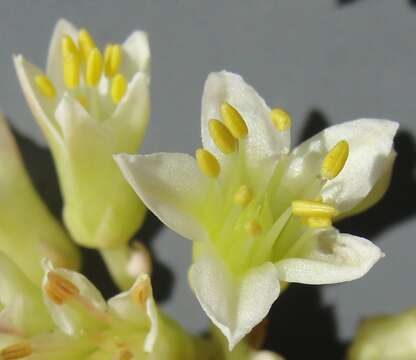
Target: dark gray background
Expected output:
[321,61]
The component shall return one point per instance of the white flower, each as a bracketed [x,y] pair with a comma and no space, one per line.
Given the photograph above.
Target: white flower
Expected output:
[69,319]
[90,106]
[261,215]
[28,231]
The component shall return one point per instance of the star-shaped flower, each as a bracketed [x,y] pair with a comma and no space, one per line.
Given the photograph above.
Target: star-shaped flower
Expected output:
[69,319]
[261,215]
[89,105]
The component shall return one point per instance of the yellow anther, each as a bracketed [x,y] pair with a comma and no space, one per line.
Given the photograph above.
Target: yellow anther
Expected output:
[68,47]
[335,160]
[118,88]
[71,71]
[141,292]
[45,86]
[16,351]
[252,227]
[58,289]
[243,195]
[207,163]
[319,222]
[112,59]
[280,119]
[309,208]
[234,121]
[94,67]
[86,43]
[222,137]
[82,99]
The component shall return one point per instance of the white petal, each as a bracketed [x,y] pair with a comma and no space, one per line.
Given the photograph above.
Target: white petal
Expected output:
[262,140]
[54,63]
[65,317]
[378,190]
[136,54]
[131,116]
[370,144]
[265,355]
[171,186]
[143,317]
[41,106]
[335,258]
[235,305]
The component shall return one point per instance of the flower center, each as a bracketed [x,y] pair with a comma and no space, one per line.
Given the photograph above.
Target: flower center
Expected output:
[96,81]
[250,223]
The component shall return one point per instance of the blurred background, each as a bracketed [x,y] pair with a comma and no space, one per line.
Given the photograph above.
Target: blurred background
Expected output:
[324,61]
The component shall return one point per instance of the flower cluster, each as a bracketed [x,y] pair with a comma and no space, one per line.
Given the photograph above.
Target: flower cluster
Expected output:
[260,214]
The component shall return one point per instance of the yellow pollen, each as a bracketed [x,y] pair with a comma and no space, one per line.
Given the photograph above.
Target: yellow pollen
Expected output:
[71,71]
[222,136]
[16,351]
[125,355]
[280,119]
[243,195]
[68,47]
[82,99]
[86,43]
[59,289]
[207,163]
[335,160]
[112,59]
[234,121]
[309,208]
[141,292]
[45,86]
[252,227]
[94,67]
[319,222]
[118,88]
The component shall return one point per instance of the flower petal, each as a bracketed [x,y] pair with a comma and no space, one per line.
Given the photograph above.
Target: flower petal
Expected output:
[235,305]
[335,258]
[262,140]
[171,186]
[41,106]
[370,145]
[22,310]
[136,54]
[131,116]
[54,63]
[143,317]
[70,319]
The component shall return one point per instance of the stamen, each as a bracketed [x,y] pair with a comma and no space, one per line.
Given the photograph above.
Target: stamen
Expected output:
[234,121]
[141,292]
[82,100]
[309,208]
[118,88]
[280,119]
[60,289]
[243,195]
[68,47]
[71,71]
[207,163]
[45,86]
[222,136]
[335,160]
[112,59]
[16,351]
[94,67]
[125,355]
[319,222]
[252,227]
[86,43]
